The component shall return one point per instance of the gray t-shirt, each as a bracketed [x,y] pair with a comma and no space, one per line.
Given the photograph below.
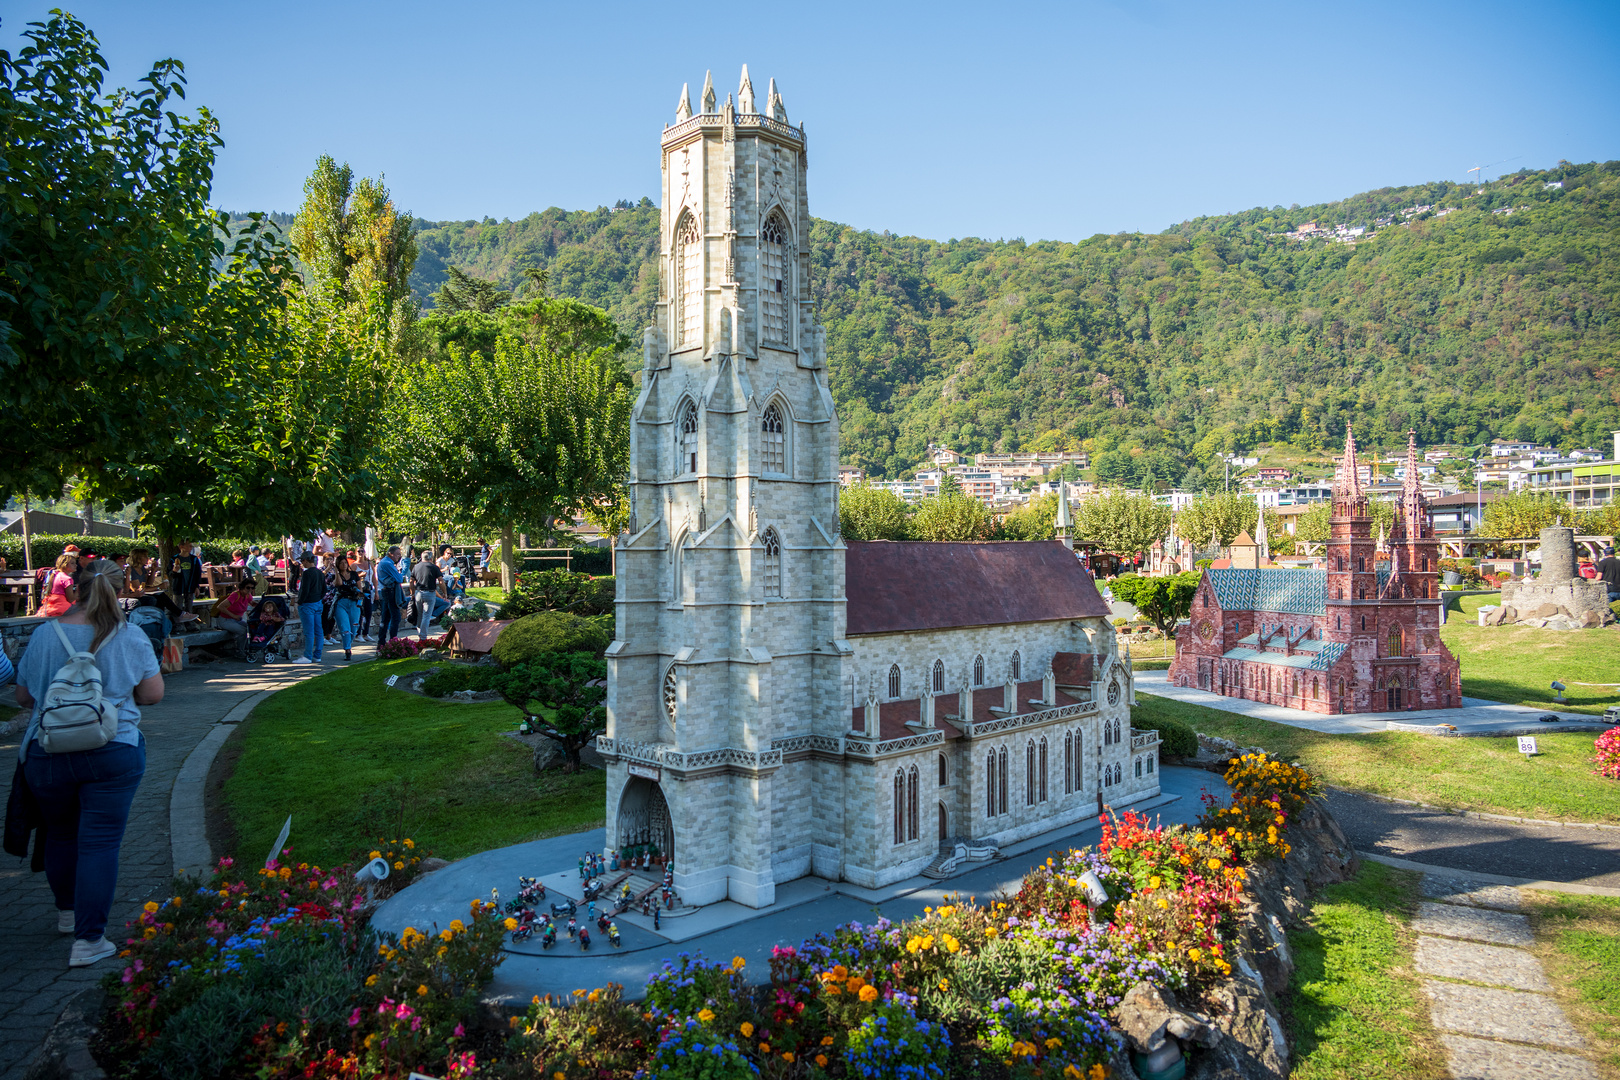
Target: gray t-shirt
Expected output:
[124,659]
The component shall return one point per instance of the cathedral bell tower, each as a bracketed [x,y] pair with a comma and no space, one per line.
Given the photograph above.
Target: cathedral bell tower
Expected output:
[1352,572]
[730,616]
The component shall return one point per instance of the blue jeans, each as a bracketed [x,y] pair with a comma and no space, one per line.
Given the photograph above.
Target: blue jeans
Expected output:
[347,614]
[388,619]
[85,799]
[310,616]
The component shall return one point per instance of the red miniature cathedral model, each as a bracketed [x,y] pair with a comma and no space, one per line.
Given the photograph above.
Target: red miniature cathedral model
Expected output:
[1361,636]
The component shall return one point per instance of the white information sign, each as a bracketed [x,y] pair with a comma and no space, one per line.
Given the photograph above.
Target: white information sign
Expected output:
[646,771]
[1527,744]
[392,679]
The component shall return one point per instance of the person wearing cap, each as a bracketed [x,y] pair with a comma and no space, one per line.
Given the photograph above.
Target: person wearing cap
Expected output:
[311,592]
[1609,570]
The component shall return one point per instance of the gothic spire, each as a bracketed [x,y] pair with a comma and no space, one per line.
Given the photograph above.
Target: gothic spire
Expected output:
[745,93]
[778,111]
[1064,521]
[1348,482]
[708,91]
[683,109]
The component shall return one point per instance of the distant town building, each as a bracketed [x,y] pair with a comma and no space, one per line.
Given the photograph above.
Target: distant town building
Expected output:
[1582,484]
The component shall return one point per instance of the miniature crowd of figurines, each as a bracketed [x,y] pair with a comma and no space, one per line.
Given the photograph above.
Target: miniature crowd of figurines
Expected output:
[592,869]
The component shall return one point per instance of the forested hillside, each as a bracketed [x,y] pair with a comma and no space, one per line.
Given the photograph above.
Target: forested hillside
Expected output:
[1213,335]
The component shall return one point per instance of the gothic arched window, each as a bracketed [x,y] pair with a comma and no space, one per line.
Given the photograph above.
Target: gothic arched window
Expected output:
[1029,774]
[939,676]
[1040,768]
[773,280]
[1395,641]
[1001,782]
[687,432]
[689,282]
[894,680]
[1068,763]
[990,785]
[942,770]
[671,693]
[900,806]
[773,563]
[911,804]
[1139,768]
[1017,664]
[978,671]
[773,441]
[1316,689]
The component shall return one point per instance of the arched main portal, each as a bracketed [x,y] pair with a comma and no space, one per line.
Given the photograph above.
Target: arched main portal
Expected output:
[644,817]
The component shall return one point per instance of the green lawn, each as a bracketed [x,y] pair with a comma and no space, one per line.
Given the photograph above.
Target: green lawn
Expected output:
[1518,665]
[493,593]
[1466,773]
[351,760]
[1578,939]
[1353,1008]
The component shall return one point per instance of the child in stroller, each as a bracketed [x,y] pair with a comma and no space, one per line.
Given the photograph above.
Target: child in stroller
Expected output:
[265,621]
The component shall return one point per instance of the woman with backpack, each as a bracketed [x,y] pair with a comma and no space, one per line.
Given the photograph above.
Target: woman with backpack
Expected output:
[86,675]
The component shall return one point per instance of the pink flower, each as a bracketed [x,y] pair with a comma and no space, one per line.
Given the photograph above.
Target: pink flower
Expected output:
[129,975]
[354,1017]
[460,1031]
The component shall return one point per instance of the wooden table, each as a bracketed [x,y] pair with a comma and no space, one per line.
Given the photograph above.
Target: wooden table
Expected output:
[222,580]
[15,586]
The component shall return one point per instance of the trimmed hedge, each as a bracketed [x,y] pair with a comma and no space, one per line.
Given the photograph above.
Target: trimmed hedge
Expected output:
[1177,738]
[552,631]
[48,546]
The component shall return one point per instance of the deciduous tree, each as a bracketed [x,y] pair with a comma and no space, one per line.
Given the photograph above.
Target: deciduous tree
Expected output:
[1120,522]
[872,513]
[949,516]
[562,695]
[1164,601]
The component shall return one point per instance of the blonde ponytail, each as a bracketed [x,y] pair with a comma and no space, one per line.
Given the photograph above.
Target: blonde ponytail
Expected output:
[100,600]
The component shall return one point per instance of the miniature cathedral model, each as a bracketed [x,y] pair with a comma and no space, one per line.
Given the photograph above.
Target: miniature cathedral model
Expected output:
[761,727]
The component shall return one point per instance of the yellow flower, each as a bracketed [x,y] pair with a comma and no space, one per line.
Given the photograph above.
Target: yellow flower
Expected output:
[944,985]
[764,1048]
[705,1015]
[869,993]
[990,931]
[1153,882]
[376,854]
[369,1040]
[787,1056]
[457,925]
[821,1060]
[855,983]
[951,944]
[1053,1044]
[398,865]
[738,963]
[511,924]
[421,991]
[371,980]
[826,1040]
[840,972]
[591,1030]
[151,907]
[747,1030]
[1099,1072]
[445,935]
[1214,864]
[409,842]
[1163,902]
[442,950]
[1195,955]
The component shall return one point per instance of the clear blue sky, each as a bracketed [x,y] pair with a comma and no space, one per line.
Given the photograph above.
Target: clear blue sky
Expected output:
[936,119]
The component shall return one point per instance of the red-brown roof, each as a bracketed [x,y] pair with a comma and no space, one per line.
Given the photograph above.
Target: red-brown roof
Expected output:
[1073,668]
[893,716]
[896,586]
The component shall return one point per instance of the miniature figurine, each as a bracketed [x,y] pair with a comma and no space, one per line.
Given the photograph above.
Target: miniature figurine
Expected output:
[613,935]
[584,939]
[655,919]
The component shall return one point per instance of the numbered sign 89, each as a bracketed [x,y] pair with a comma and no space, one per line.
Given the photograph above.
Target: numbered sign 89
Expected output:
[1527,745]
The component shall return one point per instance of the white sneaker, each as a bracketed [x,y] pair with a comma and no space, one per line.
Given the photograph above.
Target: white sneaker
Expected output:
[86,953]
[64,922]
[302,660]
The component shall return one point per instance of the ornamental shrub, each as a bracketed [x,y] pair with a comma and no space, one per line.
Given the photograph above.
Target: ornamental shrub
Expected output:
[691,1051]
[558,590]
[549,632]
[1177,738]
[1608,754]
[448,679]
[893,1044]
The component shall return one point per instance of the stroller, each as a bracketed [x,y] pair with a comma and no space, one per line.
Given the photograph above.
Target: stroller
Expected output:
[265,621]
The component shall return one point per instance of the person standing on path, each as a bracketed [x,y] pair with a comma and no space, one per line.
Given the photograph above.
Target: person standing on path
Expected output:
[84,796]
[389,598]
[346,607]
[425,579]
[363,570]
[311,593]
[186,573]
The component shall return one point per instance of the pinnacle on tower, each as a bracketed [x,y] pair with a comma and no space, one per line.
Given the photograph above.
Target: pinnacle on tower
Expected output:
[683,108]
[708,92]
[778,111]
[745,93]
[1064,521]
[1348,482]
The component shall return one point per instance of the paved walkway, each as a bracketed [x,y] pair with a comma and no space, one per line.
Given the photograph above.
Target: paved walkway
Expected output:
[1476,716]
[35,981]
[1564,853]
[803,909]
[1489,999]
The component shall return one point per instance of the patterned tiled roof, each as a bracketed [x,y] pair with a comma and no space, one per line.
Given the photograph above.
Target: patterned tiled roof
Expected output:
[1322,660]
[1284,592]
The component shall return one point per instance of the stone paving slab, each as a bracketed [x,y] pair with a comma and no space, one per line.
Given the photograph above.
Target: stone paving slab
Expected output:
[1481,1059]
[1478,924]
[1491,964]
[1500,1014]
[1460,891]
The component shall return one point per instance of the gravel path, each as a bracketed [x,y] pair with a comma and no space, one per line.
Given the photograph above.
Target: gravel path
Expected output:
[1564,853]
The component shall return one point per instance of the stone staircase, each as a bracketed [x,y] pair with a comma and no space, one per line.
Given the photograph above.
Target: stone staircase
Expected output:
[954,851]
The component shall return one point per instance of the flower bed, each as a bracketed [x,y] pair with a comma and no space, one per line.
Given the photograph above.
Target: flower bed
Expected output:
[1608,754]
[402,648]
[1044,984]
